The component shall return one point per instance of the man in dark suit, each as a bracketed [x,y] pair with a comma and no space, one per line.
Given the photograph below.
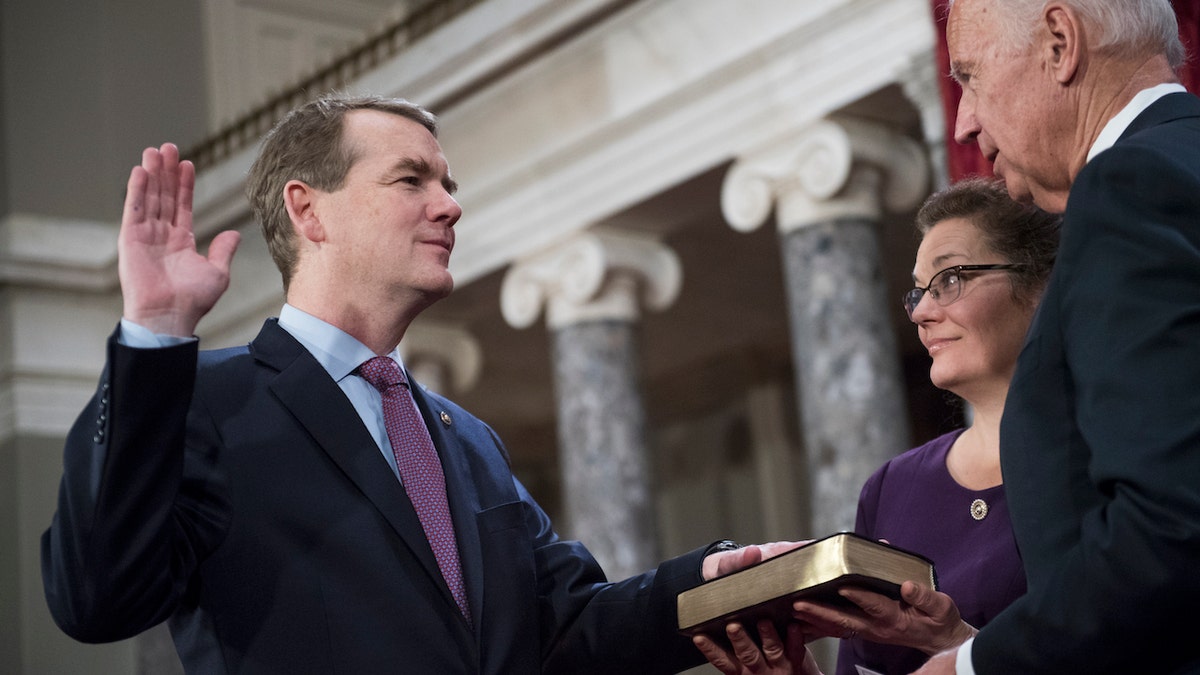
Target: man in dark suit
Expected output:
[257,496]
[1077,105]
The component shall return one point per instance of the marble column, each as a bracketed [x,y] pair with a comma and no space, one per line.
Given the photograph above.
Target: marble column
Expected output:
[828,187]
[590,286]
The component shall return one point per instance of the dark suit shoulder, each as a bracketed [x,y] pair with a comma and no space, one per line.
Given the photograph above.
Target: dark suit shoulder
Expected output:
[1178,107]
[451,415]
[215,358]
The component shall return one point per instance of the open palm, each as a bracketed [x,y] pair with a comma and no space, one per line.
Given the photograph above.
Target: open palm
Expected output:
[166,283]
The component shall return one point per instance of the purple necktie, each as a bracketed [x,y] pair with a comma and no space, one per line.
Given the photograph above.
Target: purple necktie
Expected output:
[420,469]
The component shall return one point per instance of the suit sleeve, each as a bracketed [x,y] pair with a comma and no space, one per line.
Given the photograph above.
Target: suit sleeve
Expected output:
[126,536]
[1129,275]
[591,625]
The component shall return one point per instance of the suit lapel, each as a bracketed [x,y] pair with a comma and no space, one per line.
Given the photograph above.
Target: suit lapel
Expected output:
[321,407]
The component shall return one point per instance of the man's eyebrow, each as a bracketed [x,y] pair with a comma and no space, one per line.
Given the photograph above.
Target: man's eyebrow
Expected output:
[423,169]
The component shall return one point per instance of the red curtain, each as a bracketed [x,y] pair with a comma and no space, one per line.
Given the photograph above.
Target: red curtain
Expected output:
[965,160]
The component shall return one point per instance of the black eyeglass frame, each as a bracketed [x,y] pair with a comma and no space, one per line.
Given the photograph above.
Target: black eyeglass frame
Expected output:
[912,298]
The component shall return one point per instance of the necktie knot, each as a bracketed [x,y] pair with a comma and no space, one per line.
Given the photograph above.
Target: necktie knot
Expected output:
[382,372]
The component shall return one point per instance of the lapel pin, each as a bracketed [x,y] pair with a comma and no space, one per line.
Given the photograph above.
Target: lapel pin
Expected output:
[446,418]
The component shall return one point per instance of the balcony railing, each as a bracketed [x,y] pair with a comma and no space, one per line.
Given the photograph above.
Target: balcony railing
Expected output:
[396,38]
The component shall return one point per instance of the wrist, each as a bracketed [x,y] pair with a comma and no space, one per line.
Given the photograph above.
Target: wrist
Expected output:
[954,639]
[722,545]
[169,323]
[712,555]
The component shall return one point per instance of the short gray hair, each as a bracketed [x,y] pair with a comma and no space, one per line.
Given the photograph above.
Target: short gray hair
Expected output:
[1123,27]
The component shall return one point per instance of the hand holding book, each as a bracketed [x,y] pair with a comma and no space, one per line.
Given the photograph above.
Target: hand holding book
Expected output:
[817,569]
[921,618]
[739,557]
[840,586]
[744,656]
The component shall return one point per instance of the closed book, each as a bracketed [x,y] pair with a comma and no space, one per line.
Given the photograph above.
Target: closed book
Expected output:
[814,571]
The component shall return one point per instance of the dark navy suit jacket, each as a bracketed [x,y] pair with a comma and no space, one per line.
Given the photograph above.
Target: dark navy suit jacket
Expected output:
[1100,441]
[241,497]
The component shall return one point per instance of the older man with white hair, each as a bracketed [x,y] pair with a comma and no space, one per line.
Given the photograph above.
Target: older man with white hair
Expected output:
[1077,105]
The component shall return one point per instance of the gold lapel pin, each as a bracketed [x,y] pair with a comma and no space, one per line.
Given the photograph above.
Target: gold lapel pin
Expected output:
[446,418]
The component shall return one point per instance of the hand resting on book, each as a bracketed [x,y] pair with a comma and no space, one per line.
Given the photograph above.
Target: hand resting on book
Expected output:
[922,618]
[724,562]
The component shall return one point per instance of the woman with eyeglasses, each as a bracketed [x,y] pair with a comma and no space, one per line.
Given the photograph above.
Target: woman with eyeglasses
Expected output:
[980,270]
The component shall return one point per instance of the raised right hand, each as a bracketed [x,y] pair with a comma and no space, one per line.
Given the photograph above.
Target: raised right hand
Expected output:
[166,284]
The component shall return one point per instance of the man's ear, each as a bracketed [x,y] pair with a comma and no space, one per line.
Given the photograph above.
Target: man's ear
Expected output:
[300,199]
[1061,37]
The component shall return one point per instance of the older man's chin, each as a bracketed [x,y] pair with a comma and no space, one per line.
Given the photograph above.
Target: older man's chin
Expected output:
[1017,186]
[1045,199]
[1022,191]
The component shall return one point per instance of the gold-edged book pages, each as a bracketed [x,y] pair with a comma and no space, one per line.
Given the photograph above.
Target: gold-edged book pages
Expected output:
[815,570]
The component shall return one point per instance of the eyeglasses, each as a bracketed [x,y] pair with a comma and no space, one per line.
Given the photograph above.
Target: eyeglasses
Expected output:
[947,285]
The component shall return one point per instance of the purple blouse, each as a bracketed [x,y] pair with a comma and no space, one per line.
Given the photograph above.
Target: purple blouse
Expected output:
[914,503]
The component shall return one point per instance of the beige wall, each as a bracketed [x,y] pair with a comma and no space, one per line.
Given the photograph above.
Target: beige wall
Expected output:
[87,85]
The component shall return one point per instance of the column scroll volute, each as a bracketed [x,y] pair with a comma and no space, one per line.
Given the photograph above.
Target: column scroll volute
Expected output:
[597,274]
[837,167]
[444,357]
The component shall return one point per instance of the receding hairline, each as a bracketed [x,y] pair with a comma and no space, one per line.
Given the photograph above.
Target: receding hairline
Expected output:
[352,146]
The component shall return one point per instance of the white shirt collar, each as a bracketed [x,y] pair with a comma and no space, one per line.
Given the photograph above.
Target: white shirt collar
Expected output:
[1121,121]
[336,350]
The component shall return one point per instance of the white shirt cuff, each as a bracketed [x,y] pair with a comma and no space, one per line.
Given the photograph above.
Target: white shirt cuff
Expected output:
[139,337]
[962,663]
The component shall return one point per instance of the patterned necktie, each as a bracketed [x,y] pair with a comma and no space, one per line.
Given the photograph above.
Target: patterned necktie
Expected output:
[420,469]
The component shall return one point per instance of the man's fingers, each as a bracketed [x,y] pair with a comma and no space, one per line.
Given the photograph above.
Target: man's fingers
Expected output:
[924,599]
[743,647]
[187,189]
[870,602]
[824,619]
[772,645]
[222,248]
[152,164]
[168,185]
[135,196]
[774,548]
[718,657]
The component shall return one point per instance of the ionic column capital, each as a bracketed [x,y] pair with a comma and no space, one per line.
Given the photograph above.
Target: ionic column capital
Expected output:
[442,355]
[593,276]
[839,167]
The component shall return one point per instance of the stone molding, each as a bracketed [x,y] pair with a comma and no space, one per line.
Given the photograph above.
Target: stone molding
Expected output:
[46,251]
[593,276]
[920,84]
